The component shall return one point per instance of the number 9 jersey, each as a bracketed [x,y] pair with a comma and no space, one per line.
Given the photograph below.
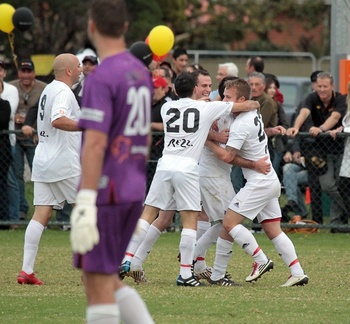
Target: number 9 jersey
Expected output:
[57,156]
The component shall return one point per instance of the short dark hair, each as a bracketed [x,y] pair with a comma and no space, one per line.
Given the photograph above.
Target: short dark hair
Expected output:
[178,52]
[197,73]
[184,84]
[221,87]
[258,63]
[109,16]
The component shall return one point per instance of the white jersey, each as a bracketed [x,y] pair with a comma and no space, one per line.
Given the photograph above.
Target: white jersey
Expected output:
[345,165]
[209,164]
[247,135]
[186,126]
[10,93]
[57,156]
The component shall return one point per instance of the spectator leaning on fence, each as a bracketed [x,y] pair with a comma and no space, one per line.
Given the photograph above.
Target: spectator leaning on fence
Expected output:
[327,108]
[5,154]
[10,93]
[29,90]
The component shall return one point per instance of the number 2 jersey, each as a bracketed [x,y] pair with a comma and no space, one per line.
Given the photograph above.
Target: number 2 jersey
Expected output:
[117,99]
[247,135]
[186,126]
[57,155]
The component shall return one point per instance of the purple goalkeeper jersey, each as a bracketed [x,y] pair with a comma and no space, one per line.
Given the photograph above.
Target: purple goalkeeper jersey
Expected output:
[117,99]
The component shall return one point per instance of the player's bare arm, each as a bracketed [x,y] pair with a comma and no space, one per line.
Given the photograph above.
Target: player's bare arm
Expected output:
[220,137]
[229,155]
[246,105]
[66,124]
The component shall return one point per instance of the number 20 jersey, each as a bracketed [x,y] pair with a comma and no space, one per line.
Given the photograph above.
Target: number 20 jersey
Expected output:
[187,123]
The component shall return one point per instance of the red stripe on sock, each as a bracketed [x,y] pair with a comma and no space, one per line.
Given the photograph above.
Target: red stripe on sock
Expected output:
[185,265]
[294,262]
[257,250]
[129,254]
[200,259]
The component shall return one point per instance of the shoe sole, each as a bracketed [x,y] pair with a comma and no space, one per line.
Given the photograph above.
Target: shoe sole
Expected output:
[268,268]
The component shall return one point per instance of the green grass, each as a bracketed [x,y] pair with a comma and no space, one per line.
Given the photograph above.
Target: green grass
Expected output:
[325,258]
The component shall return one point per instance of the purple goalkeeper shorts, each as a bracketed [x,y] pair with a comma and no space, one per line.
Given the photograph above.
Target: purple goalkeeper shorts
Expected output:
[116,224]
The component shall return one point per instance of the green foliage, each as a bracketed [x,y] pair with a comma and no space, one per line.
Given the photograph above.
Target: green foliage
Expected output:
[325,257]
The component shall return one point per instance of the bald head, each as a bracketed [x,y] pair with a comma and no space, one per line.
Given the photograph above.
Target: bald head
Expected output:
[67,68]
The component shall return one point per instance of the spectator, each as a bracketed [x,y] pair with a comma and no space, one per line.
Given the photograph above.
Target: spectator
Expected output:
[56,165]
[254,64]
[193,67]
[5,154]
[327,108]
[29,91]
[180,61]
[295,174]
[89,64]
[278,142]
[224,70]
[10,93]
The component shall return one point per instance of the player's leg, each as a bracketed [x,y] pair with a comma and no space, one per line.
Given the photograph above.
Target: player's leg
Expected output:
[163,220]
[46,196]
[149,214]
[284,247]
[107,296]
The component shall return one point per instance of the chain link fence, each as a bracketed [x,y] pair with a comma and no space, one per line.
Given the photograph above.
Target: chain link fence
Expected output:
[311,186]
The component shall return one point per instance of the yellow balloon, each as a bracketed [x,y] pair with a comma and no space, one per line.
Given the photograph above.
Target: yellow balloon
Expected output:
[161,40]
[6,13]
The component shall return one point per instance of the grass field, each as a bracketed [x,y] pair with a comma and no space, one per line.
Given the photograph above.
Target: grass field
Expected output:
[326,299]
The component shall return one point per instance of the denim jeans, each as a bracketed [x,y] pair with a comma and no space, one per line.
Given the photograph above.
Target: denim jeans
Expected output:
[12,189]
[24,148]
[294,175]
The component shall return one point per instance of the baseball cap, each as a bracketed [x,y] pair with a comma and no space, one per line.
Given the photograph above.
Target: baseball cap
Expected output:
[92,59]
[159,82]
[2,63]
[313,76]
[26,64]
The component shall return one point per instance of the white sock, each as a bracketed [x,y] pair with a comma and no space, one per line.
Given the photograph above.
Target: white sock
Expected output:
[136,239]
[202,227]
[203,244]
[187,245]
[31,244]
[222,258]
[247,241]
[132,308]
[144,249]
[286,250]
[102,314]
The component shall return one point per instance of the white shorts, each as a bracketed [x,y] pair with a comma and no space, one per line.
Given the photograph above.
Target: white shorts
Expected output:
[216,195]
[258,198]
[169,185]
[55,193]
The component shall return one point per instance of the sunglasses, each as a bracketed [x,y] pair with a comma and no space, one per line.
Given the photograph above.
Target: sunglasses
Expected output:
[26,97]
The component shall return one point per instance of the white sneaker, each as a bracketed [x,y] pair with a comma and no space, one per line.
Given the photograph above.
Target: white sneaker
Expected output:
[138,276]
[296,281]
[203,274]
[259,270]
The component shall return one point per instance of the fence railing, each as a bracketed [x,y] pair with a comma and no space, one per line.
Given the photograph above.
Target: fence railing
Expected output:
[318,192]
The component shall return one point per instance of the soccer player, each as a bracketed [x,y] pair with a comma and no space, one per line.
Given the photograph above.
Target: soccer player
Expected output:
[115,119]
[258,198]
[56,164]
[186,126]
